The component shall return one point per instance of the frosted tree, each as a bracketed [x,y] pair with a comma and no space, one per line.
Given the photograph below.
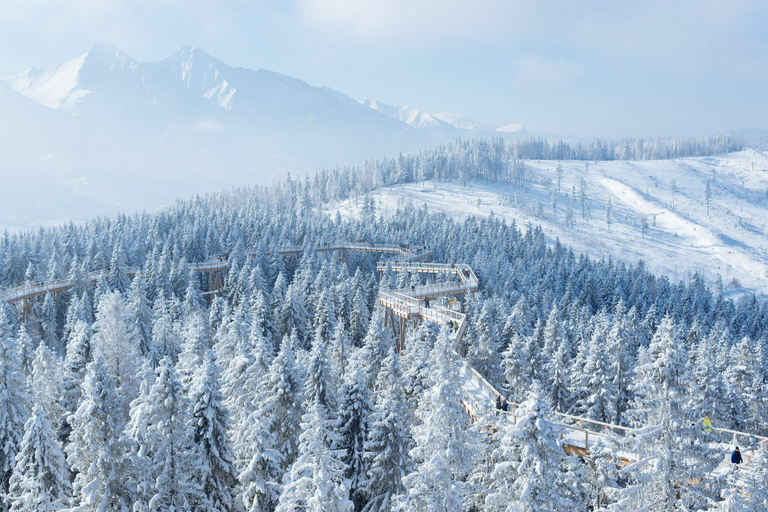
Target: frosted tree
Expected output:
[282,407]
[389,441]
[118,271]
[210,425]
[73,371]
[340,349]
[40,480]
[171,463]
[197,342]
[674,446]
[416,359]
[599,402]
[533,473]
[26,350]
[260,478]
[165,341]
[316,479]
[444,451]
[321,385]
[483,354]
[358,319]
[354,417]
[96,453]
[48,321]
[141,311]
[293,315]
[116,342]
[45,383]
[14,400]
[516,360]
[193,295]
[608,214]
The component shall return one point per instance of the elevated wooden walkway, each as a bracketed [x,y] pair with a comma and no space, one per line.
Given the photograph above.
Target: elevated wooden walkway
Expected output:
[411,306]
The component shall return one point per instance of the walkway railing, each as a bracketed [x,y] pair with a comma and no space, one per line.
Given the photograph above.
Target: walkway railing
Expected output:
[405,305]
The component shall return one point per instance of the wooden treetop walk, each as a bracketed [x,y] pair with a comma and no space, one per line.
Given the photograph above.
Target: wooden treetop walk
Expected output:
[414,305]
[217,264]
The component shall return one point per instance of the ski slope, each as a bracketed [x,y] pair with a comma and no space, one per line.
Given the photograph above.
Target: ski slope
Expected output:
[730,244]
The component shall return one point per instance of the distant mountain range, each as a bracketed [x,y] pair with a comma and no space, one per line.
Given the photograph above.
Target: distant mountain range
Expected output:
[104,132]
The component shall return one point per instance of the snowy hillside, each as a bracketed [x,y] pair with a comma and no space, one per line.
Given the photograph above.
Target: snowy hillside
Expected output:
[668,197]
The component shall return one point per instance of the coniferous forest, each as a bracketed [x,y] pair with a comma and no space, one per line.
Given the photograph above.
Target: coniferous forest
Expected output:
[144,391]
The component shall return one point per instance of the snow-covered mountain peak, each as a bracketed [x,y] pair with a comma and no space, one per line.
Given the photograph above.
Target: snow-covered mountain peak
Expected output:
[414,117]
[65,85]
[110,57]
[200,72]
[55,87]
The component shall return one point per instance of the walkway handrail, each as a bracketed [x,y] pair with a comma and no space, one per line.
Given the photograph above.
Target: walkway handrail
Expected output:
[398,300]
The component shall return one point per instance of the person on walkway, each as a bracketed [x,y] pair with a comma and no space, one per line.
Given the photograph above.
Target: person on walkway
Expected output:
[498,402]
[707,424]
[736,456]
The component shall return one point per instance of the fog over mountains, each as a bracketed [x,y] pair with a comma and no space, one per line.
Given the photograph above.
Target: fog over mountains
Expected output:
[104,133]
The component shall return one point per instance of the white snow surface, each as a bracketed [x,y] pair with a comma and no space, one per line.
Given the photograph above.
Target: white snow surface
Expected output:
[55,87]
[730,244]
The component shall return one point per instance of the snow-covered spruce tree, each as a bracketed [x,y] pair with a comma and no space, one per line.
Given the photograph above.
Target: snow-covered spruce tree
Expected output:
[359,316]
[354,417]
[293,315]
[73,372]
[415,360]
[14,400]
[45,384]
[141,311]
[444,451]
[282,408]
[316,479]
[165,341]
[169,464]
[96,453]
[674,446]
[533,473]
[196,344]
[193,296]
[40,480]
[600,395]
[26,350]
[210,425]
[339,350]
[603,479]
[483,354]
[116,342]
[118,271]
[321,384]
[260,478]
[389,439]
[518,372]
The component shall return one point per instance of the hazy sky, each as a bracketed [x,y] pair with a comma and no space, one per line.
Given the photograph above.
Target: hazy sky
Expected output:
[604,68]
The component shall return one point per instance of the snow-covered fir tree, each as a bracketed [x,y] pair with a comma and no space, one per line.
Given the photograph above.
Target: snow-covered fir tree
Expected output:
[40,480]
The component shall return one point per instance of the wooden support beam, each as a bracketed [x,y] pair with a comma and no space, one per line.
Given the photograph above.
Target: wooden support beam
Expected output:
[403,325]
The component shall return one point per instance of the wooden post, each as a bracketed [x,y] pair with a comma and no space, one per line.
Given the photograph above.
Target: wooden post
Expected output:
[403,324]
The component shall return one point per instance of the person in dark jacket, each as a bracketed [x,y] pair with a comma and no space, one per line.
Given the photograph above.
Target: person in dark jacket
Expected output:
[736,456]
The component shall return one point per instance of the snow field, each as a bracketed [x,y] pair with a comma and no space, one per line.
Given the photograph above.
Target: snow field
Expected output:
[728,245]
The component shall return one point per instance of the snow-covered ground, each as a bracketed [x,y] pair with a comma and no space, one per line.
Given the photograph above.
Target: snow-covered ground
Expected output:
[681,238]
